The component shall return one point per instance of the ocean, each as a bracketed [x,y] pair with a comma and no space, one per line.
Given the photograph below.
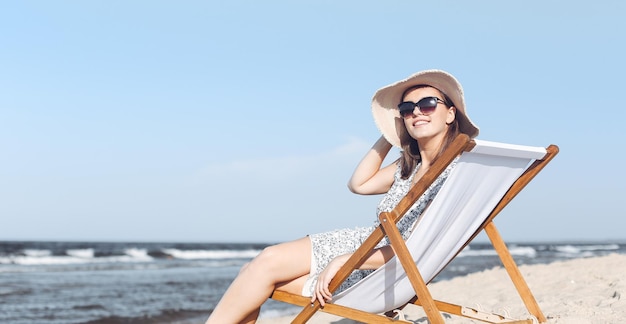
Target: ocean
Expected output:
[125,282]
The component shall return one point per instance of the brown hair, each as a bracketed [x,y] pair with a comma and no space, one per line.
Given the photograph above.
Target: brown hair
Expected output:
[410,154]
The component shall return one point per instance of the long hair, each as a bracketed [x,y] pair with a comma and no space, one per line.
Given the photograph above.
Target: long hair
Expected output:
[410,154]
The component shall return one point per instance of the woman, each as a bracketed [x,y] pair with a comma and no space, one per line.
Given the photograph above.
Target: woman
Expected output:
[420,114]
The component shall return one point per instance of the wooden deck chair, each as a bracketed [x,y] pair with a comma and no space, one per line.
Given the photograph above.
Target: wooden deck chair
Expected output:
[486,178]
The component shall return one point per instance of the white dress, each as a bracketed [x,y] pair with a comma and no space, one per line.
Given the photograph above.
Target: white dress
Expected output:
[328,245]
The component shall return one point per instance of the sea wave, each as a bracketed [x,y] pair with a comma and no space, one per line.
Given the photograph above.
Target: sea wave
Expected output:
[89,255]
[562,250]
[98,253]
[56,260]
[516,251]
[569,250]
[211,254]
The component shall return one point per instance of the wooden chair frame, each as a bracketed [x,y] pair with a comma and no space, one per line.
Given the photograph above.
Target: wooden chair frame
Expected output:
[423,298]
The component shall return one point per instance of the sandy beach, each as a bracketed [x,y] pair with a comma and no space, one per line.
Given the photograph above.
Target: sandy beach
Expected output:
[578,291]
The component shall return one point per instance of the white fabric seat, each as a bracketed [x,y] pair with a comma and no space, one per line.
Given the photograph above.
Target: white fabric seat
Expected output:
[477,183]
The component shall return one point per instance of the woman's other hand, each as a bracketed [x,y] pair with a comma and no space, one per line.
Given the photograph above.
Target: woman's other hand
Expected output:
[321,291]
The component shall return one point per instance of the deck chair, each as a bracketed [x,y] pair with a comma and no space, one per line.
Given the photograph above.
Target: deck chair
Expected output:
[486,178]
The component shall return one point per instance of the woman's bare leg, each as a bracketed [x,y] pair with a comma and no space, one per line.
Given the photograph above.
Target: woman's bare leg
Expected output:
[252,317]
[275,265]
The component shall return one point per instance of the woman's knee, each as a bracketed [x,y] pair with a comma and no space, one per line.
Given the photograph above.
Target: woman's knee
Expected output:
[270,258]
[244,267]
[285,255]
[267,257]
[262,262]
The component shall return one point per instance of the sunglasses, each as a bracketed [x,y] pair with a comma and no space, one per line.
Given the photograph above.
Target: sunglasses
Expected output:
[426,106]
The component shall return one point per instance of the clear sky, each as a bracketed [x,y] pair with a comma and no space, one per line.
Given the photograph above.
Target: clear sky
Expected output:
[211,121]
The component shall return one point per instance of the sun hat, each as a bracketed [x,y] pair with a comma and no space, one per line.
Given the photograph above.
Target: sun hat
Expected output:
[386,99]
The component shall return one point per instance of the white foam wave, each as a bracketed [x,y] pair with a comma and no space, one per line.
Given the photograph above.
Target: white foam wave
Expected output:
[77,256]
[526,251]
[566,250]
[36,253]
[74,256]
[44,260]
[584,250]
[81,253]
[600,247]
[515,250]
[211,254]
[138,254]
[467,252]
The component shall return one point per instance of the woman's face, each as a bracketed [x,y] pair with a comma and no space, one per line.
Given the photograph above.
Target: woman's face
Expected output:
[433,126]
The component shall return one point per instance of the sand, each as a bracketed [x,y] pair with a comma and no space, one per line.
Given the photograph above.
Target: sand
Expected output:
[578,291]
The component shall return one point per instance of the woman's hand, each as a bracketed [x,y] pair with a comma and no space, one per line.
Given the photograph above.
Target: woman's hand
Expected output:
[374,260]
[321,291]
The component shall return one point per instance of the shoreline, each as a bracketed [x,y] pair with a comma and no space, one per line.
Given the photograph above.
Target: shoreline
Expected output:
[577,291]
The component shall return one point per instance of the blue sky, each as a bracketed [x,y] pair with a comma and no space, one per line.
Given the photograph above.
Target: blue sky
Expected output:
[243,120]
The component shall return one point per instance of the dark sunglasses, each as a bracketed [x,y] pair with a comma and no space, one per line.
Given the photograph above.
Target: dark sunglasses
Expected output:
[426,106]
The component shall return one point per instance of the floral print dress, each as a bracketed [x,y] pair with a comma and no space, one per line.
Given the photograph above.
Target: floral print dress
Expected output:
[328,245]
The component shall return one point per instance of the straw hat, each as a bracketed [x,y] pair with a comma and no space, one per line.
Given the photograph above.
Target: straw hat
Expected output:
[386,99]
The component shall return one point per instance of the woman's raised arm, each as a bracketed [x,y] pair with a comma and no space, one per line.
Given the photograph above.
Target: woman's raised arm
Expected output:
[368,177]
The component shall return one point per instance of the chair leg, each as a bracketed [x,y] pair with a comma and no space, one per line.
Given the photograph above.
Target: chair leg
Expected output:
[416,279]
[513,271]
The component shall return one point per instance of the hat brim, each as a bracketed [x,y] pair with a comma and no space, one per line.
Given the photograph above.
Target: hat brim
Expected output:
[386,100]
